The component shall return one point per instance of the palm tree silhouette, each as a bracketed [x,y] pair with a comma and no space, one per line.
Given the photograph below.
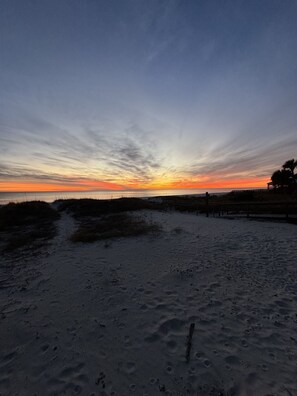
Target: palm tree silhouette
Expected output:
[281,178]
[290,165]
[285,177]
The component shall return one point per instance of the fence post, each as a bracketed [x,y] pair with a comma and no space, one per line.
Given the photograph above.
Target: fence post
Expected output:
[207,206]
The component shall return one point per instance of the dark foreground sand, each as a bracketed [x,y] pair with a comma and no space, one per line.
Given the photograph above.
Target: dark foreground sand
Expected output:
[113,318]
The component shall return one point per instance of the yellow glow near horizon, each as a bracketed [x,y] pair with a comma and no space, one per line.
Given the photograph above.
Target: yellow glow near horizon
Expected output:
[89,185]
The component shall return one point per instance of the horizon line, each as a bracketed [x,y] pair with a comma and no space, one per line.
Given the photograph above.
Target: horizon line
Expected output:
[132,190]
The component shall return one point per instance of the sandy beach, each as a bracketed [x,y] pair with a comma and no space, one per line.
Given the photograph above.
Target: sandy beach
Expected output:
[113,318]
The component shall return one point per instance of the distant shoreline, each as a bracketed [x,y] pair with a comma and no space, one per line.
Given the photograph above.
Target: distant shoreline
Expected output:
[6,197]
[132,191]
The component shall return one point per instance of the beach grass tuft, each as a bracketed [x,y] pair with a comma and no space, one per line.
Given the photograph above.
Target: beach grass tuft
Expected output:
[27,224]
[112,226]
[25,214]
[95,207]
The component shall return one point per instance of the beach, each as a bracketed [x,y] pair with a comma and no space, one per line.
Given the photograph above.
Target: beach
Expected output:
[113,317]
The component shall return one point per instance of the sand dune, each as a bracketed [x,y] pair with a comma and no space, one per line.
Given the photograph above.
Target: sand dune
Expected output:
[113,318]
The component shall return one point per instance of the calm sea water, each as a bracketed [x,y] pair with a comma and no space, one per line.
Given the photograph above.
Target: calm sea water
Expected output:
[52,196]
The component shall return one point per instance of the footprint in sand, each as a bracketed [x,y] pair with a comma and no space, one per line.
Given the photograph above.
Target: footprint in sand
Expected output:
[70,380]
[132,387]
[232,360]
[172,345]
[169,368]
[171,325]
[207,363]
[152,338]
[130,367]
[9,357]
[44,348]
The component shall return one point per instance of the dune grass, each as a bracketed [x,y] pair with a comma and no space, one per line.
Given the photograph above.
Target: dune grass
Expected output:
[26,213]
[271,203]
[112,226]
[26,224]
[98,207]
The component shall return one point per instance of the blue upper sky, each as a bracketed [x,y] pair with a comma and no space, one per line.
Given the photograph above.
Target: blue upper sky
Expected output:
[146,93]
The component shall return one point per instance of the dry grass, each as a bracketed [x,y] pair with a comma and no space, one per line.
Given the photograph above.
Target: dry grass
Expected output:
[29,237]
[25,214]
[112,226]
[97,207]
[27,224]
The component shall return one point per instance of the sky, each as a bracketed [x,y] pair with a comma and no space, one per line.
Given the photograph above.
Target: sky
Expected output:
[146,94]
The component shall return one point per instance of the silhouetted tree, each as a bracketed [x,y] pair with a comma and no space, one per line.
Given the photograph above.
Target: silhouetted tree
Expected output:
[285,178]
[280,178]
[290,165]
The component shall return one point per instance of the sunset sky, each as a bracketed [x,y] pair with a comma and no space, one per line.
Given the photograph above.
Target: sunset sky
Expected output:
[146,94]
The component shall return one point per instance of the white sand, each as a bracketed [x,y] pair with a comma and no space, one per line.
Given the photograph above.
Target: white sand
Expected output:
[93,320]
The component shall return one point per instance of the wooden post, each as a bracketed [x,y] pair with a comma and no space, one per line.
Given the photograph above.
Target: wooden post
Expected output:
[207,206]
[189,342]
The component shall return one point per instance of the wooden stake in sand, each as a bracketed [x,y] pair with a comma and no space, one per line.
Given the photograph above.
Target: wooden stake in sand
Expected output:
[207,206]
[189,343]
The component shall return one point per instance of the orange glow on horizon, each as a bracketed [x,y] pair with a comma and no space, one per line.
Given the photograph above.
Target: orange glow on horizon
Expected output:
[89,185]
[33,186]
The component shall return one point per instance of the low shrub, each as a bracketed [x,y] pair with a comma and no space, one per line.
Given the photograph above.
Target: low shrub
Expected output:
[112,226]
[27,224]
[98,207]
[26,213]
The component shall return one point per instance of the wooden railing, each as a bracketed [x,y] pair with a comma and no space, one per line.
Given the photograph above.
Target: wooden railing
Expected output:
[285,210]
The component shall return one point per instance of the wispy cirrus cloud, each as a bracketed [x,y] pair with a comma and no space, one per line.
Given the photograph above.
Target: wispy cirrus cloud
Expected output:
[237,159]
[127,154]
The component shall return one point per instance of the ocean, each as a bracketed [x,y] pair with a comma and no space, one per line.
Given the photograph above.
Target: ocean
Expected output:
[6,197]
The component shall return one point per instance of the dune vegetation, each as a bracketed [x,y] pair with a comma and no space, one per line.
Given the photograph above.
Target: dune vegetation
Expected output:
[26,224]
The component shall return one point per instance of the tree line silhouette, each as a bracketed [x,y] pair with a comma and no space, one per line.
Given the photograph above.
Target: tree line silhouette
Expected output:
[285,178]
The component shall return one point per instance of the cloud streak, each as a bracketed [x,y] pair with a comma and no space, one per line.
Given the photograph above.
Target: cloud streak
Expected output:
[144,94]
[128,156]
[233,160]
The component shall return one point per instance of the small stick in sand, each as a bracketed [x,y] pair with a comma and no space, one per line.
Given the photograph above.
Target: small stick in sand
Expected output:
[189,343]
